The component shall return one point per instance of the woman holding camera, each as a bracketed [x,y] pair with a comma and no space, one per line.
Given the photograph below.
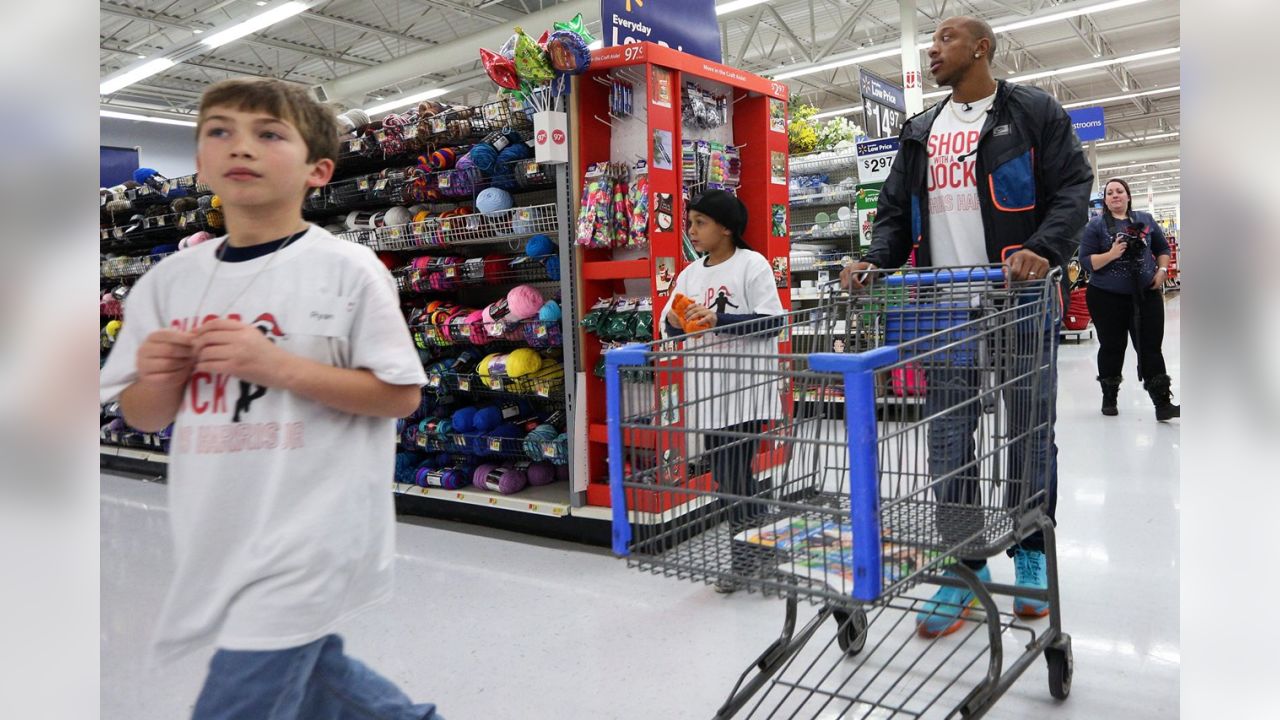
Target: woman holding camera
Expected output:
[1127,257]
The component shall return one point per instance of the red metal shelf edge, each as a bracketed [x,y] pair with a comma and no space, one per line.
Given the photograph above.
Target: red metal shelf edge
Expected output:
[615,269]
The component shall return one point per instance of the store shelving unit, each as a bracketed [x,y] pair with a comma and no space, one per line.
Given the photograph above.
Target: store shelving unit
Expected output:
[375,171]
[655,133]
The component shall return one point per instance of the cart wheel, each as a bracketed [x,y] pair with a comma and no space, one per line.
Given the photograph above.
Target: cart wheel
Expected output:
[852,631]
[1060,669]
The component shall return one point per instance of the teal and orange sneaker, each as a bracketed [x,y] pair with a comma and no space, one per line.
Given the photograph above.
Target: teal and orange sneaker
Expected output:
[945,612]
[1031,572]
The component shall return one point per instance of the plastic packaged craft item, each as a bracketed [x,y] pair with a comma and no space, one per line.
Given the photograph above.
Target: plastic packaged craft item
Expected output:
[621,225]
[618,326]
[593,216]
[596,315]
[637,231]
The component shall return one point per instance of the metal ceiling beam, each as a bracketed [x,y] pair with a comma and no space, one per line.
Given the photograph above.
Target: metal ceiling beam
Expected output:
[498,14]
[751,33]
[191,23]
[849,24]
[786,30]
[364,27]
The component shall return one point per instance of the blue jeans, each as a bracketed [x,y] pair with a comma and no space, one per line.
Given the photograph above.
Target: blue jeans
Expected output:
[312,682]
[955,394]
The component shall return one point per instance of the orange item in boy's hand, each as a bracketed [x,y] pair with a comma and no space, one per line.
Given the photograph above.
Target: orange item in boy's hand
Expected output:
[681,305]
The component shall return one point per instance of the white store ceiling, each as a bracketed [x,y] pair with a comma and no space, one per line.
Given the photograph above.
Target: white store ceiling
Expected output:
[351,48]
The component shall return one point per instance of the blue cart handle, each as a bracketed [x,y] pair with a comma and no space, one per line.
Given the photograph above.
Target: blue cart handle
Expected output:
[947,275]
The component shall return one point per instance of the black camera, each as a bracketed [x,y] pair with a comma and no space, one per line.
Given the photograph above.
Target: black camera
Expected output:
[1134,236]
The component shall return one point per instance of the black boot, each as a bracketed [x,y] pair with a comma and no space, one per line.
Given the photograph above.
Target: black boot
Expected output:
[1110,390]
[1162,397]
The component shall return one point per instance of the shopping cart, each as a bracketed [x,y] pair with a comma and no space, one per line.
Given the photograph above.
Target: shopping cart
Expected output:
[812,477]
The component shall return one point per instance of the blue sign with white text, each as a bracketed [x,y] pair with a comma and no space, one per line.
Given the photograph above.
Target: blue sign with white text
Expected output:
[1089,123]
[881,91]
[686,25]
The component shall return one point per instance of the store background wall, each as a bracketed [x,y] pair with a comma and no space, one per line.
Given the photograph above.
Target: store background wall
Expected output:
[170,149]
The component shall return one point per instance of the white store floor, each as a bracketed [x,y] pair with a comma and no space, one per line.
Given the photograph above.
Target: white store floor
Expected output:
[488,624]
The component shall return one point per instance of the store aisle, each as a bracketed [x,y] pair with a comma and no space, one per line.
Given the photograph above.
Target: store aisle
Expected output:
[495,625]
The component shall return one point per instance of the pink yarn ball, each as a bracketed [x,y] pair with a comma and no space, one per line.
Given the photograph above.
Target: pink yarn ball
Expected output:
[525,302]
[522,303]
[476,321]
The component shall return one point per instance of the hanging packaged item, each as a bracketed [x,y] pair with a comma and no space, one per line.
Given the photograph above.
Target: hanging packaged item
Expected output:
[593,215]
[637,234]
[702,109]
[621,214]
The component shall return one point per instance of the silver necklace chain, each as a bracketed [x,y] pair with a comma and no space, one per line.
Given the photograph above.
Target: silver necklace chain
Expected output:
[981,111]
[218,259]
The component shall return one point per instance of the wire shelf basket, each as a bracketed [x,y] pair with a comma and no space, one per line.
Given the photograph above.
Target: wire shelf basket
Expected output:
[546,388]
[461,230]
[526,333]
[125,267]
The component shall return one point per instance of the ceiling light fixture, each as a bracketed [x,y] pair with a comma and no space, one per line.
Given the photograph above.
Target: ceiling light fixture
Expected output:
[1126,96]
[786,74]
[1136,162]
[406,100]
[255,23]
[735,5]
[1093,65]
[841,111]
[144,118]
[1159,136]
[131,76]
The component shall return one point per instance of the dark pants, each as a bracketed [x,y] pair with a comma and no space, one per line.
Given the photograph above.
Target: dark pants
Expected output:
[731,470]
[312,682]
[1117,316]
[955,396]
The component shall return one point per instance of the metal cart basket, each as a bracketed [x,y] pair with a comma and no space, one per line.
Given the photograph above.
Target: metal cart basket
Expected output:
[918,431]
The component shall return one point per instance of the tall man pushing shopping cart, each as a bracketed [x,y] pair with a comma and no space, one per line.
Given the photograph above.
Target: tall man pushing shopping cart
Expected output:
[991,174]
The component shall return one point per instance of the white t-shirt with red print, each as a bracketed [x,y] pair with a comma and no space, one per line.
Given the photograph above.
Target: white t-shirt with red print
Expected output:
[727,382]
[956,234]
[282,514]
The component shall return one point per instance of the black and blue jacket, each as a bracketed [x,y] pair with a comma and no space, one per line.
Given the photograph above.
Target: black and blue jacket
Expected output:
[1033,182]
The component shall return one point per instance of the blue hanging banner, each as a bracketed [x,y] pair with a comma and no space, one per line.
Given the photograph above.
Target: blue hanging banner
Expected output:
[686,25]
[1089,123]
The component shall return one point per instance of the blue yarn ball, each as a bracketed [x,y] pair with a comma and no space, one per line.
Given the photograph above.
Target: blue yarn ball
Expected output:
[540,245]
[485,158]
[552,264]
[550,312]
[493,200]
[487,418]
[464,420]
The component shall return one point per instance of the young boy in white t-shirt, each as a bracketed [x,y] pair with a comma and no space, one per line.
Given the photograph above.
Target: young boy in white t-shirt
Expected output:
[280,354]
[727,396]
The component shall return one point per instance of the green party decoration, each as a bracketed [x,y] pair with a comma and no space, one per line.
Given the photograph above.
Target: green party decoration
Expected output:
[531,61]
[577,26]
